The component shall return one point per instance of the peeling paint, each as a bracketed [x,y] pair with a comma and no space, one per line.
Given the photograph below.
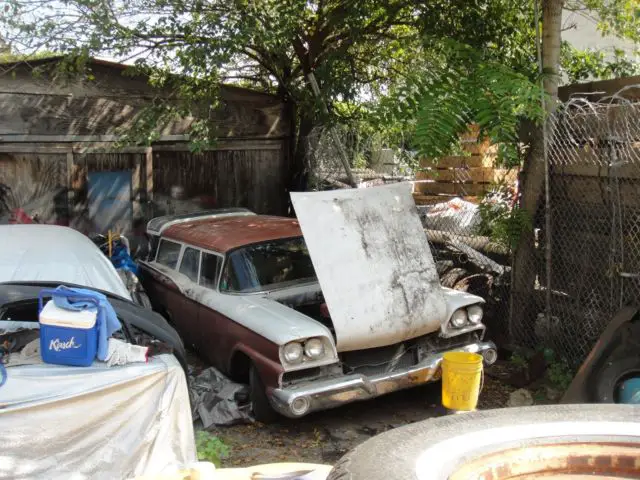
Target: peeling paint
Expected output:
[373,263]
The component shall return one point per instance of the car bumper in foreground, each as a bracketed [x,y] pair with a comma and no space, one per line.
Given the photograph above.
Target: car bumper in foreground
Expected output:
[298,400]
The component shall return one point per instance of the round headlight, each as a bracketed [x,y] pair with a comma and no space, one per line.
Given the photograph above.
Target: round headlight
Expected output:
[292,352]
[459,318]
[314,348]
[475,314]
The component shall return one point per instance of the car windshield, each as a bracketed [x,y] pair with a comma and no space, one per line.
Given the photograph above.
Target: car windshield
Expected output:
[267,266]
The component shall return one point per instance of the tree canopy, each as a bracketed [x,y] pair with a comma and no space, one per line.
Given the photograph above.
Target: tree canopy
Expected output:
[440,62]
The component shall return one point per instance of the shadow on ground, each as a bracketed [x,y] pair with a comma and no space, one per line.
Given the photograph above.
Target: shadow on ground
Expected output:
[323,437]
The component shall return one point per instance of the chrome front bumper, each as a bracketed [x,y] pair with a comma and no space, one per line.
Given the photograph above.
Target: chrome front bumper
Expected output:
[298,400]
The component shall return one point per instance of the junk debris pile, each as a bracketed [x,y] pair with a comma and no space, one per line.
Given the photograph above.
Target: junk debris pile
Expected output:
[75,327]
[467,261]
[218,401]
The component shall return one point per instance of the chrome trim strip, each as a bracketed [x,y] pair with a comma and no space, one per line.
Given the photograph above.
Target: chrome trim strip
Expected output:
[330,393]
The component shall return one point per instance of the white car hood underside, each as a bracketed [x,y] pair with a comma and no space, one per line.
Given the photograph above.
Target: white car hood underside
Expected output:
[374,264]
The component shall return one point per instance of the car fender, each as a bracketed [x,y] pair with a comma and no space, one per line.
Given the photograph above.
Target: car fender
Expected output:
[583,386]
[269,370]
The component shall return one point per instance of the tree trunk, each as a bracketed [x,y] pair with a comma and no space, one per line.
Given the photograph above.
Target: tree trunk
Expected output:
[291,144]
[551,39]
[523,310]
[298,171]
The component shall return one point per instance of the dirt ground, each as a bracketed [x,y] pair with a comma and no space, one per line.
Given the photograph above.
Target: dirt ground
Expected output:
[323,437]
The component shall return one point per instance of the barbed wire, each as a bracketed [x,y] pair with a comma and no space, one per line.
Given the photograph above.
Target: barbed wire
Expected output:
[594,155]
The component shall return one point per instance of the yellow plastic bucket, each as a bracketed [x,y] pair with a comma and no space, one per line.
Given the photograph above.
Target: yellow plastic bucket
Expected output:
[461,380]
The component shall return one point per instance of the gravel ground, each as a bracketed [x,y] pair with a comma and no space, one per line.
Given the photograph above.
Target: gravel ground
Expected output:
[323,437]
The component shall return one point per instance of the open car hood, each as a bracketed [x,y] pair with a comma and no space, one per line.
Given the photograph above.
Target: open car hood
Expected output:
[373,262]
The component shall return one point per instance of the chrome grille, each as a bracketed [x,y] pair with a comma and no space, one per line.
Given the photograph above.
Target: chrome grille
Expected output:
[374,361]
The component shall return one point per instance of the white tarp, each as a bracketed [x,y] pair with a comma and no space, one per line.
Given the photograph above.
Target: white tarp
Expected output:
[96,422]
[373,263]
[49,253]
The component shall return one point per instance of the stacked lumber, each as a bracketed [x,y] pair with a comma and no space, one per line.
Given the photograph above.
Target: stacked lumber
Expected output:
[469,174]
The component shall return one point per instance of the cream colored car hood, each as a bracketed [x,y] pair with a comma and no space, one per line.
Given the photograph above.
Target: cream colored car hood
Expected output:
[374,264]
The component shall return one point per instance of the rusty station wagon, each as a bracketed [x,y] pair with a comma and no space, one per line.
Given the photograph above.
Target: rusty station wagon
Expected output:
[247,294]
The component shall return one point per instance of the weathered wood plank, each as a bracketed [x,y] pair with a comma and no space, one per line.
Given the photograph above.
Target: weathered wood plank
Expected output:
[596,90]
[252,179]
[422,199]
[37,105]
[474,147]
[148,170]
[109,146]
[569,190]
[623,171]
[436,188]
[473,174]
[483,244]
[227,145]
[452,162]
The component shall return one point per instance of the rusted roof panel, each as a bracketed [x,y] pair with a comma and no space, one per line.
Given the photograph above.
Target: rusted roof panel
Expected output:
[224,234]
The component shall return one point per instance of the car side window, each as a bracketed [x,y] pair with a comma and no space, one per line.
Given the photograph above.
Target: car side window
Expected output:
[168,253]
[210,269]
[153,246]
[190,263]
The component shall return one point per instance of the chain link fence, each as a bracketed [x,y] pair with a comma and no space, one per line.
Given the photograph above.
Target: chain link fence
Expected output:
[370,161]
[594,185]
[470,255]
[461,233]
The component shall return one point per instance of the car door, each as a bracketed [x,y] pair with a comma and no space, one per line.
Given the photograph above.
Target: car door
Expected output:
[157,282]
[213,342]
[187,319]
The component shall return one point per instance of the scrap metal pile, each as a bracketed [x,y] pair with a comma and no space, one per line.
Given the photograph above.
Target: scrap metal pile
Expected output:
[467,261]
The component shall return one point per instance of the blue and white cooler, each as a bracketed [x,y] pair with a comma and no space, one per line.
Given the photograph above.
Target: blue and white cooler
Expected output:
[68,337]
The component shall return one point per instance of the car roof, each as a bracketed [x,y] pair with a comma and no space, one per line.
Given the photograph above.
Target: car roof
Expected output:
[51,253]
[227,233]
[158,224]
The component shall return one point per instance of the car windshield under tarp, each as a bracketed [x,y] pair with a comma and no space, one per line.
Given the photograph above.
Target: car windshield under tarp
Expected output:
[267,266]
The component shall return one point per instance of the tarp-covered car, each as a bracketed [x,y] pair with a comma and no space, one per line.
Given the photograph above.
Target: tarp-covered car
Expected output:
[342,304]
[84,422]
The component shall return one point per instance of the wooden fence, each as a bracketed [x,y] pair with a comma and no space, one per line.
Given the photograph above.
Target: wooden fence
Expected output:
[238,174]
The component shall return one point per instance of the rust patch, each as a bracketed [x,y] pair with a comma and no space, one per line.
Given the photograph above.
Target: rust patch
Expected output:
[626,462]
[227,233]
[603,461]
[577,462]
[600,460]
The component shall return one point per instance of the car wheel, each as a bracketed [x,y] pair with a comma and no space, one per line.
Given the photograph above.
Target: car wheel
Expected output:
[611,376]
[530,442]
[260,405]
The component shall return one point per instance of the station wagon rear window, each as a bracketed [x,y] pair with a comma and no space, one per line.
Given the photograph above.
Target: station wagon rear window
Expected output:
[190,263]
[267,266]
[210,269]
[168,253]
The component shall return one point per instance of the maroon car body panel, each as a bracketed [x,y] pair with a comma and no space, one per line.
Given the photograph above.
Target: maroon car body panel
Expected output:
[221,338]
[216,337]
